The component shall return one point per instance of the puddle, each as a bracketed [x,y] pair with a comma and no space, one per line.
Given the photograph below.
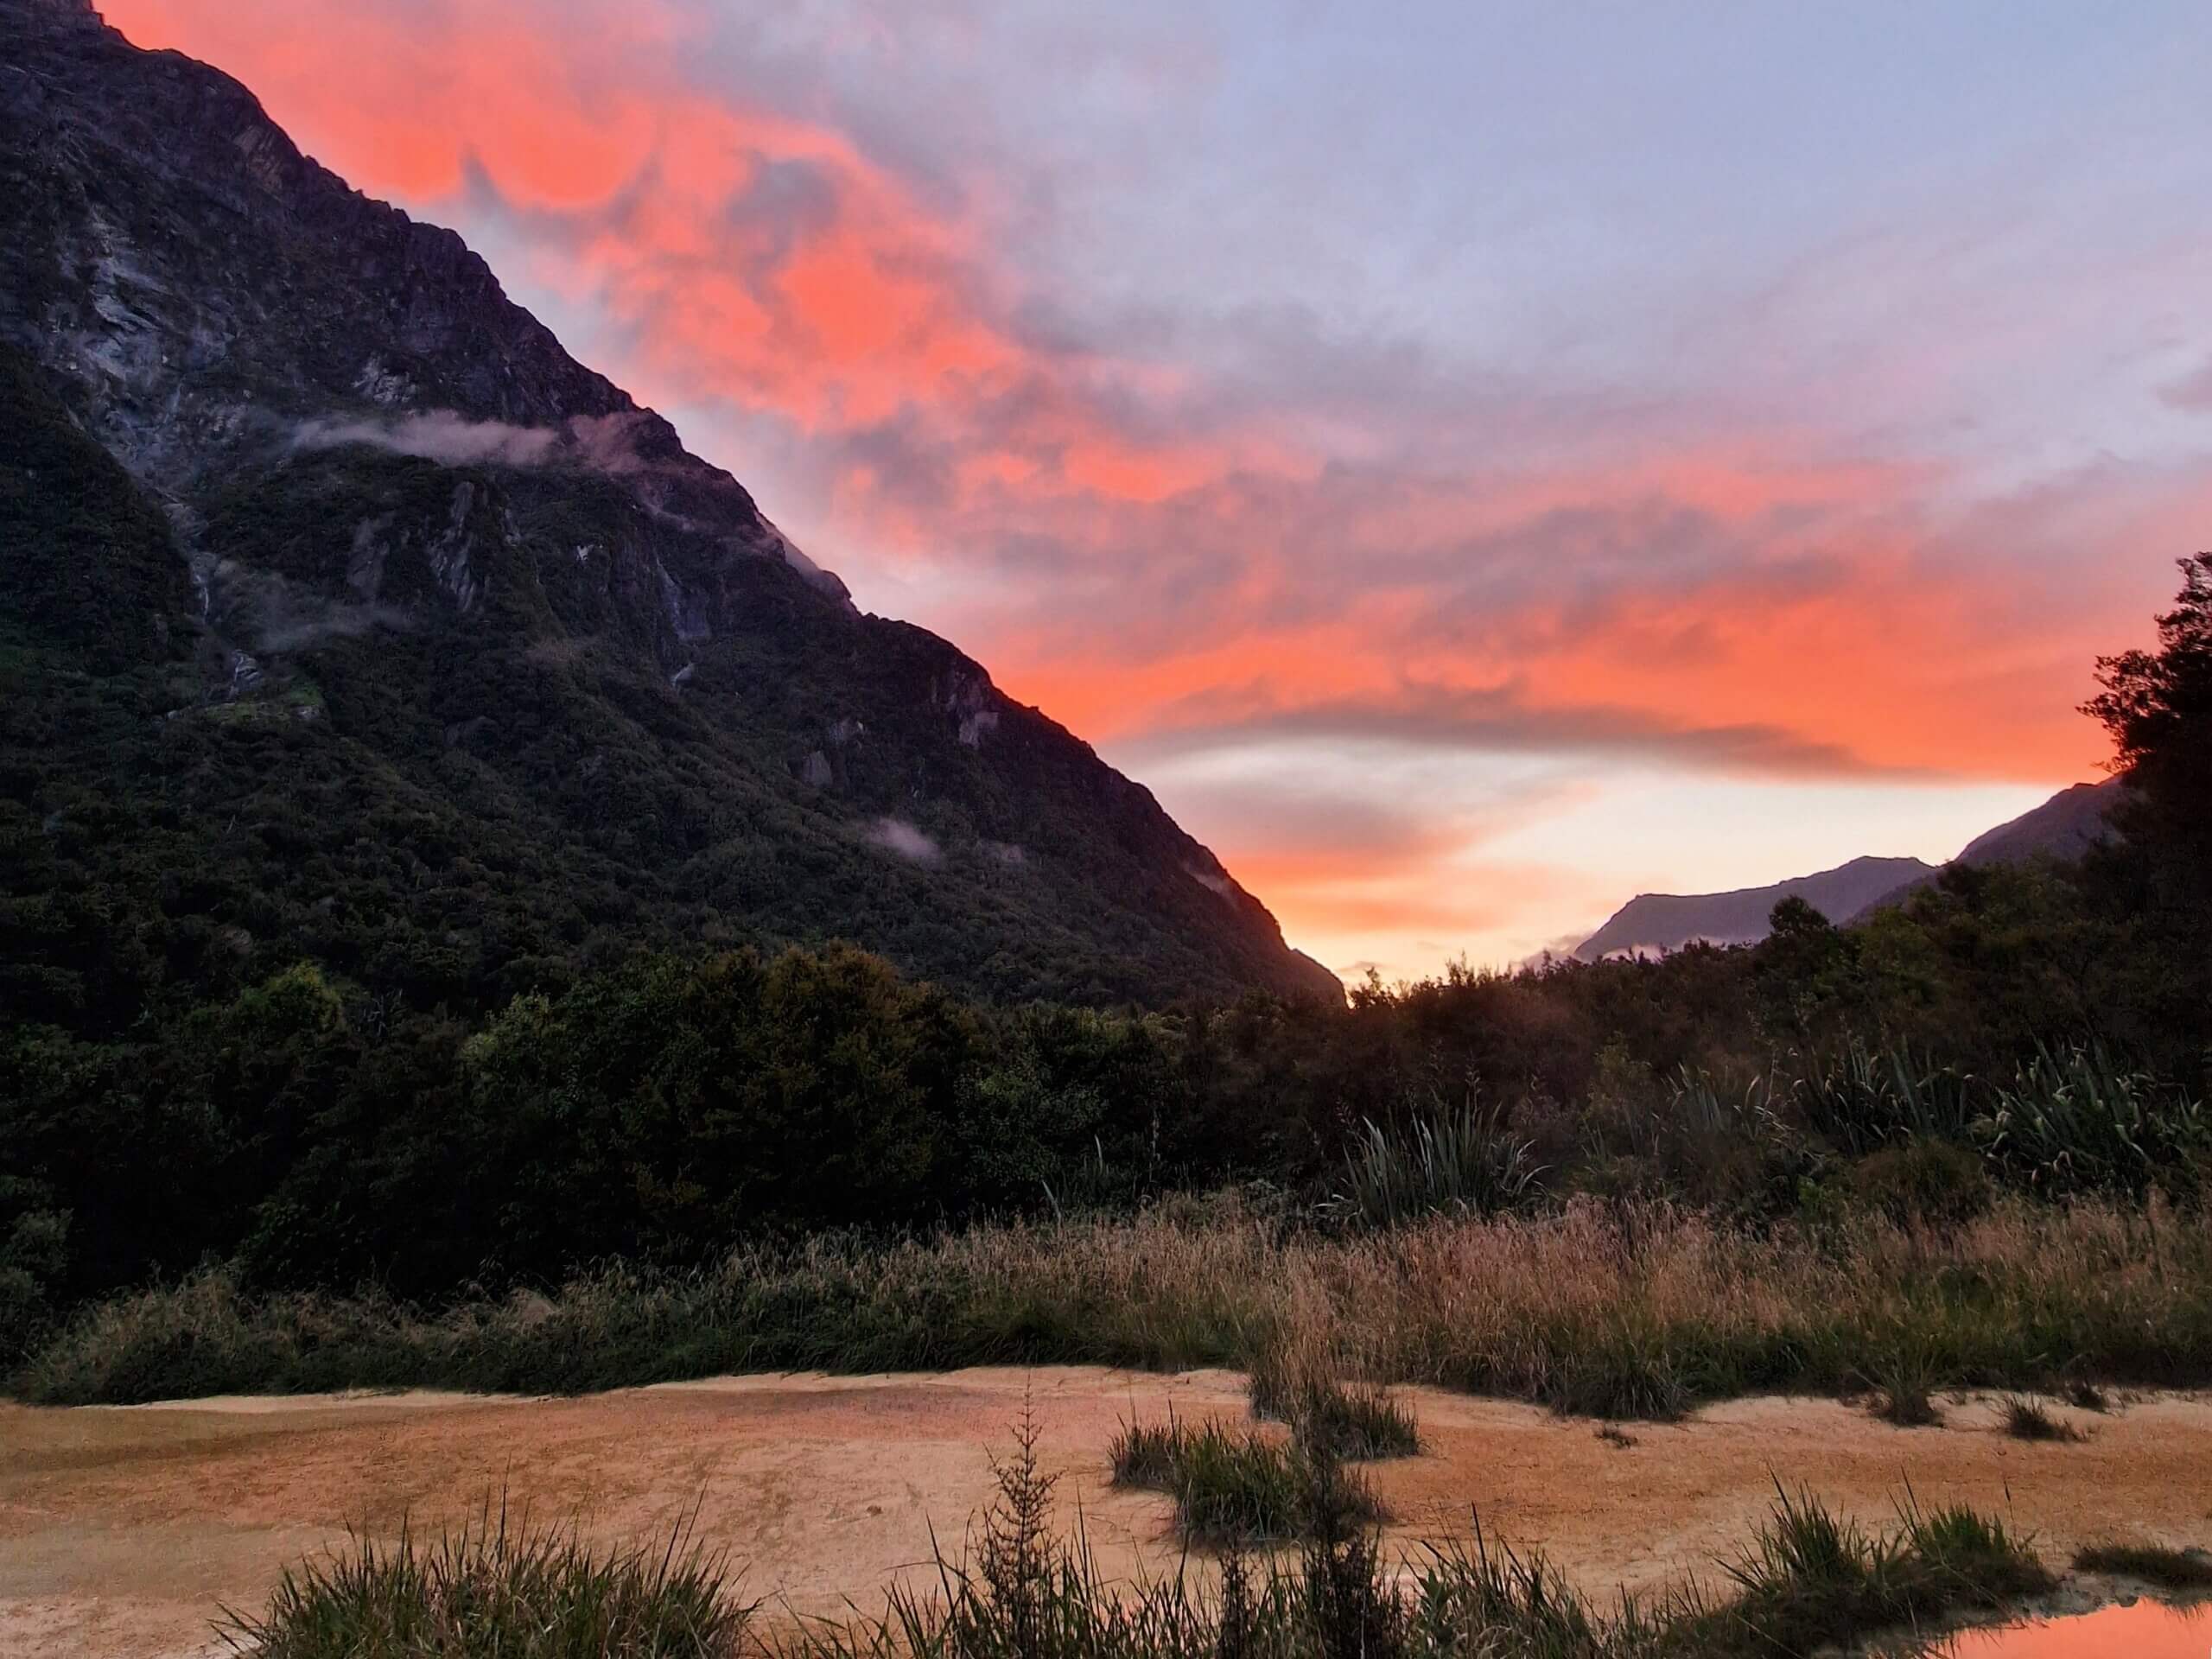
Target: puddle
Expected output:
[2145,1630]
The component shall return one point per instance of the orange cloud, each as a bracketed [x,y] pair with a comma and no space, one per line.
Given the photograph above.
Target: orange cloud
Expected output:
[1187,559]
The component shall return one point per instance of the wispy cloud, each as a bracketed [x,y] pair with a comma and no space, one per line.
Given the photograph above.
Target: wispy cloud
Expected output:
[602,443]
[897,837]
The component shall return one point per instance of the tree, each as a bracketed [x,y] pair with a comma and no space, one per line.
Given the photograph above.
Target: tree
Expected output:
[2157,706]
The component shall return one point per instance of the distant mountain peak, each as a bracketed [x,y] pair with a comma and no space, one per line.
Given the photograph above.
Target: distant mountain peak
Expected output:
[1658,922]
[2065,827]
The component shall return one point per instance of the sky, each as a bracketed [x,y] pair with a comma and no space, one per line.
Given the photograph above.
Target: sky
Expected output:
[1474,461]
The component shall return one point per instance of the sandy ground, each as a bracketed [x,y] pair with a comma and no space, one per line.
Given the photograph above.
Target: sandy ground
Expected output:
[121,1530]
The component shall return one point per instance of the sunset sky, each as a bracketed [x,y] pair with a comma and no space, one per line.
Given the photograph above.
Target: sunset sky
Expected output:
[1474,462]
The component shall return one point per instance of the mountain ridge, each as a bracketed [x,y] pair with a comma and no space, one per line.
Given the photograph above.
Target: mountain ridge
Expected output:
[1662,921]
[457,598]
[2065,826]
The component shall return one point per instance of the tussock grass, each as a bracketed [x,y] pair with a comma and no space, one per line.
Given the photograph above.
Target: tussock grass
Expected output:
[1147,1454]
[1905,1378]
[1297,1379]
[1610,1310]
[2031,1420]
[499,1588]
[1240,1486]
[1359,1423]
[1810,1579]
[2087,1396]
[2180,1572]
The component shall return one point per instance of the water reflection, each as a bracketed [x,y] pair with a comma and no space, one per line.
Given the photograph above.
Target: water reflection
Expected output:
[2145,1630]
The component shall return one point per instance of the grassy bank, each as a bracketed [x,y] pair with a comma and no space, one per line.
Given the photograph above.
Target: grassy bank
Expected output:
[1614,1310]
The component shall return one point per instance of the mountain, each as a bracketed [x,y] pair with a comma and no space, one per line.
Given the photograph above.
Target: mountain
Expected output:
[344,615]
[2065,826]
[1655,922]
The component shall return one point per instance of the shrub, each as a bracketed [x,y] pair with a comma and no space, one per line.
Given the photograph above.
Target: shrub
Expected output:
[2076,1120]
[1922,1180]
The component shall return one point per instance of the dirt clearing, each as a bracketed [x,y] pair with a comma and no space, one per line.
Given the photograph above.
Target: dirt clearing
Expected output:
[121,1530]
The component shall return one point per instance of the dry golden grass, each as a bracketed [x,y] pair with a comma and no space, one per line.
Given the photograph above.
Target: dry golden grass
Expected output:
[1632,1311]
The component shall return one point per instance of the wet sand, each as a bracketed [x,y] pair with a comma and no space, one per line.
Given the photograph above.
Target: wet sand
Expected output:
[121,1530]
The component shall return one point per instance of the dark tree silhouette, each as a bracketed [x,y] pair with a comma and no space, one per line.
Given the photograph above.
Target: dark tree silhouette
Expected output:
[2157,706]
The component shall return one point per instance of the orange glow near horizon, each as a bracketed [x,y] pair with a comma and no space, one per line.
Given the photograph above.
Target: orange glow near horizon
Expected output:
[745,259]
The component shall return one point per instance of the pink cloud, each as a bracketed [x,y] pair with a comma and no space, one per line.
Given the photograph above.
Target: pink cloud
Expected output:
[1147,552]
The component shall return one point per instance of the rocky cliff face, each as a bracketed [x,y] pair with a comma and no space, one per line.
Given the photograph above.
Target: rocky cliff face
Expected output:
[412,522]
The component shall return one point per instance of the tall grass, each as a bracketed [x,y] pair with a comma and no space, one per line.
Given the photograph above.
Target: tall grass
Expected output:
[1615,1310]
[499,1587]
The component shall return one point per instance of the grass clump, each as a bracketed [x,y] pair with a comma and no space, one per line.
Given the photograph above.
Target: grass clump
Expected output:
[499,1588]
[2031,1420]
[1907,1408]
[1811,1580]
[1905,1390]
[1297,1383]
[2181,1571]
[1356,1422]
[1966,1558]
[1239,1486]
[2085,1395]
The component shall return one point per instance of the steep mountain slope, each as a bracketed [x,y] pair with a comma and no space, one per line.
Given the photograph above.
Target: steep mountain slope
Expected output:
[2065,826]
[343,614]
[1655,922]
